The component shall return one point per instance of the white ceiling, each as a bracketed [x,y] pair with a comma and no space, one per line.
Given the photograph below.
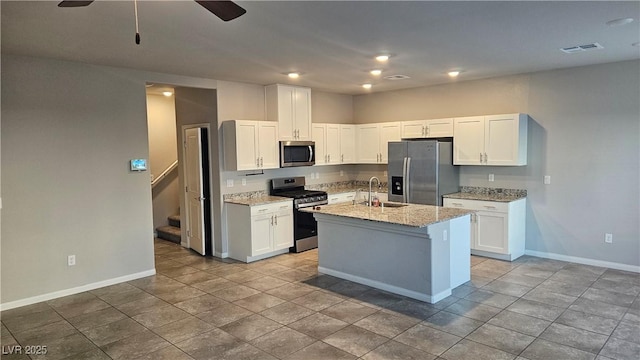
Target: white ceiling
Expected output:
[332,43]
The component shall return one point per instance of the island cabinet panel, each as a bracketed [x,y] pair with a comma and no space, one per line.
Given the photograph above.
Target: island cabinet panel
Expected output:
[422,263]
[496,140]
[497,228]
[290,106]
[250,145]
[261,231]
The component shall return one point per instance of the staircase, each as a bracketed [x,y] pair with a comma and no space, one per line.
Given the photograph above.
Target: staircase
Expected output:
[171,232]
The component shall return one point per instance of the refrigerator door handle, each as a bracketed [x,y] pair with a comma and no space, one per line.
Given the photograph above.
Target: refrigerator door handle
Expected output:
[404,180]
[407,180]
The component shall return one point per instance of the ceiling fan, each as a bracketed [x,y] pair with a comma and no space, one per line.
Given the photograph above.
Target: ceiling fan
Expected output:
[224,9]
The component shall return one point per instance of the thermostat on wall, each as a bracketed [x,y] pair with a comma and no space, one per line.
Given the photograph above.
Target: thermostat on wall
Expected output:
[138,164]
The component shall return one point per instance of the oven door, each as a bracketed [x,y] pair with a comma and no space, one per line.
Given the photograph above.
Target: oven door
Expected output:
[297,153]
[304,225]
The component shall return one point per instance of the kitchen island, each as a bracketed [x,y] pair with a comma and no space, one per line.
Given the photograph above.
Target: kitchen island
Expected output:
[419,251]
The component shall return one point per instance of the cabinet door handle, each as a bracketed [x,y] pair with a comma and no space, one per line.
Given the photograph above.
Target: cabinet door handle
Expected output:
[481,158]
[271,220]
[261,161]
[258,162]
[489,207]
[342,158]
[284,206]
[423,131]
[485,158]
[276,220]
[456,204]
[329,158]
[427,128]
[262,210]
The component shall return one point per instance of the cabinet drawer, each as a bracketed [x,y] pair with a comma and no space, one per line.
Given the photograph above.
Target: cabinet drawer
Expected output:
[273,207]
[341,198]
[492,206]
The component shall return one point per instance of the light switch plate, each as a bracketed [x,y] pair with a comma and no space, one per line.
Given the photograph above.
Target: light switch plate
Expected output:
[317,175]
[385,174]
[313,176]
[229,182]
[547,179]
[491,177]
[608,238]
[341,173]
[244,182]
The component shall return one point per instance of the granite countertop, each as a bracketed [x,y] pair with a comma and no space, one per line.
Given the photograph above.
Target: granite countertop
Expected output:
[252,198]
[488,194]
[412,215]
[262,200]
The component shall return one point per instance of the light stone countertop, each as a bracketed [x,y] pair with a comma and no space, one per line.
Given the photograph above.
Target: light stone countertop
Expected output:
[488,194]
[261,200]
[484,197]
[412,215]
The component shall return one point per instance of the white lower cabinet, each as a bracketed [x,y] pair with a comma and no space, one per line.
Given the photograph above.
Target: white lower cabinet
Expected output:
[261,231]
[497,228]
[341,198]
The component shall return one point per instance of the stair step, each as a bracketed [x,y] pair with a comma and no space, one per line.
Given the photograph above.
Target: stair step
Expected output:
[174,220]
[170,233]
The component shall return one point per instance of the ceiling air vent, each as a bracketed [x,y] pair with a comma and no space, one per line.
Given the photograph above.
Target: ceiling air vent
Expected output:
[581,48]
[396,77]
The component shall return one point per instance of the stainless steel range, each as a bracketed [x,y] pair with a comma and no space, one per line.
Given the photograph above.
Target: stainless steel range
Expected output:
[305,228]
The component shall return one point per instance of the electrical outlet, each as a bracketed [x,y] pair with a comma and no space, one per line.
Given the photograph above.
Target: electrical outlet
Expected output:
[491,177]
[71,260]
[547,179]
[385,174]
[317,175]
[341,173]
[244,182]
[229,182]
[313,176]
[608,238]
[445,235]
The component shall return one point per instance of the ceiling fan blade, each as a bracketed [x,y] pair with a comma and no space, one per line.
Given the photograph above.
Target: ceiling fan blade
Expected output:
[72,3]
[224,9]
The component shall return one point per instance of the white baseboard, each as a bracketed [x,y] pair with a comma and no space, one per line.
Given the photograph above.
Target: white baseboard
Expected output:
[223,255]
[386,287]
[584,261]
[75,290]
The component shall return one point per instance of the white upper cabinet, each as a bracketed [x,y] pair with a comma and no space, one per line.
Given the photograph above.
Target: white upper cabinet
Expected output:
[435,128]
[327,139]
[497,140]
[373,140]
[250,145]
[290,106]
[347,144]
[319,136]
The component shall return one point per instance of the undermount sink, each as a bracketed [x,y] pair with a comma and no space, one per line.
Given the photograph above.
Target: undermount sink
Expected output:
[387,204]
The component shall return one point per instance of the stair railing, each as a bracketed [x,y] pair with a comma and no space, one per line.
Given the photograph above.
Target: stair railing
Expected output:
[164,174]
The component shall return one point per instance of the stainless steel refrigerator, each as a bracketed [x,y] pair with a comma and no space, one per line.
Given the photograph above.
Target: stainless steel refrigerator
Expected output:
[421,171]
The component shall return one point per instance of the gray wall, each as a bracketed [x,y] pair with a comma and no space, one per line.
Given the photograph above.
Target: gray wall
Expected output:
[69,131]
[163,151]
[583,131]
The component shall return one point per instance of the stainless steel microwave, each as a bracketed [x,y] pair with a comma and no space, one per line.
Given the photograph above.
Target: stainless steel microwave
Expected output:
[297,153]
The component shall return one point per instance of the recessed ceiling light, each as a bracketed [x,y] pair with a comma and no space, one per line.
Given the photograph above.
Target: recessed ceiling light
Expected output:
[453,73]
[366,86]
[293,75]
[167,93]
[376,72]
[383,57]
[620,22]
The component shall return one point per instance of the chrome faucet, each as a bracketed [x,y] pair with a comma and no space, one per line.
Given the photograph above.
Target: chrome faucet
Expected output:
[370,183]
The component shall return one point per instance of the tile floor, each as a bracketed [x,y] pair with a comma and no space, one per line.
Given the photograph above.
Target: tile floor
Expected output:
[280,308]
